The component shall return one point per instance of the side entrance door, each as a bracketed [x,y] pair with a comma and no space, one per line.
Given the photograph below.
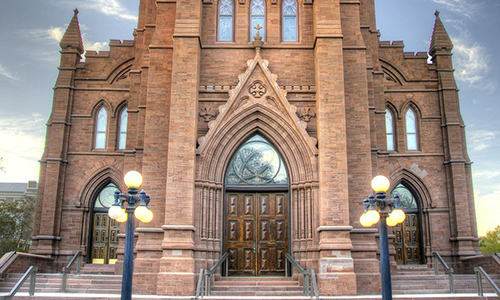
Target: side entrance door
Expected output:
[105,239]
[407,241]
[256,233]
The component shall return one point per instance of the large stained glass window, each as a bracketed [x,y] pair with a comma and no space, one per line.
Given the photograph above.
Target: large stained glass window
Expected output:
[226,16]
[406,197]
[256,163]
[389,129]
[289,20]
[258,17]
[101,128]
[411,130]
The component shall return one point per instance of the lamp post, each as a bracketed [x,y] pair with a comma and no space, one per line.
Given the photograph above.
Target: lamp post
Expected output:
[138,206]
[389,213]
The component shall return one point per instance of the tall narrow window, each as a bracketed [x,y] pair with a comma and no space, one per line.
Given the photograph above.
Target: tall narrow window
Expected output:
[411,130]
[101,128]
[122,137]
[258,17]
[389,129]
[226,16]
[289,21]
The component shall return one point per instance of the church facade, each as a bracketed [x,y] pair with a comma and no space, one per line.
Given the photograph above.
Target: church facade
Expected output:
[257,126]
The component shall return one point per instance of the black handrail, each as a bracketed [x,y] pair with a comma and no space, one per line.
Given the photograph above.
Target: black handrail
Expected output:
[204,285]
[479,273]
[447,270]
[65,270]
[310,285]
[30,272]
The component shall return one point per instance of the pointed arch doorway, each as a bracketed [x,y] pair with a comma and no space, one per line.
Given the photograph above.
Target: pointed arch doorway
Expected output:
[256,210]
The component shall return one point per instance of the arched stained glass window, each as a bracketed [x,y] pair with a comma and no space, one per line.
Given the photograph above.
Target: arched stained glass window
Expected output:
[226,20]
[106,197]
[411,130]
[122,137]
[256,163]
[389,129]
[406,197]
[289,20]
[101,128]
[258,17]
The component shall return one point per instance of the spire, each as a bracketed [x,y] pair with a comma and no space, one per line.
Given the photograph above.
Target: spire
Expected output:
[72,38]
[440,40]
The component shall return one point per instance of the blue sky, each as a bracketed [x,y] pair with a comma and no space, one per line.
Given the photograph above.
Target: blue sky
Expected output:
[29,56]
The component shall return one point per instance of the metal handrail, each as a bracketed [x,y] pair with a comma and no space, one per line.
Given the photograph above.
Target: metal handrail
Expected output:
[30,272]
[65,270]
[447,270]
[480,272]
[204,285]
[310,285]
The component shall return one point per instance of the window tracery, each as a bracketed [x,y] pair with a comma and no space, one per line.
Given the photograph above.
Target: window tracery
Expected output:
[258,17]
[289,14]
[226,21]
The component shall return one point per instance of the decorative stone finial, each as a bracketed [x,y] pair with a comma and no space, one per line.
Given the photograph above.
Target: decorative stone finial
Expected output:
[76,11]
[257,40]
[437,13]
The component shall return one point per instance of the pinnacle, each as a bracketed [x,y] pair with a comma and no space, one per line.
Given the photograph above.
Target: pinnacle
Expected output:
[440,40]
[72,38]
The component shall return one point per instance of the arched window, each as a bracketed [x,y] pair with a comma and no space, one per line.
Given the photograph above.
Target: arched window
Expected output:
[256,163]
[122,133]
[226,20]
[289,11]
[101,128]
[411,130]
[258,17]
[389,129]
[406,197]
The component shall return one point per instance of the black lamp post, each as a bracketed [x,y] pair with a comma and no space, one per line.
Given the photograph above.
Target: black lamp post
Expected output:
[389,213]
[137,205]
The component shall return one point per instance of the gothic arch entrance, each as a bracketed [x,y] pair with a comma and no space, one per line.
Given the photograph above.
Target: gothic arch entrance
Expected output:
[408,235]
[104,234]
[256,210]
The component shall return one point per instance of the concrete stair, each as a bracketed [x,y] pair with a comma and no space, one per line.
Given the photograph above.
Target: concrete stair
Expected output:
[257,286]
[421,280]
[83,283]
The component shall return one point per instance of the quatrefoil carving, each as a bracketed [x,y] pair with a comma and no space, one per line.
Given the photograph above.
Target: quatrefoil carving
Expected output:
[257,89]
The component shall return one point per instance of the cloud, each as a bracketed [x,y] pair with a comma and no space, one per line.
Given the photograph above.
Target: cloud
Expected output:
[465,8]
[25,136]
[110,8]
[4,72]
[470,59]
[479,140]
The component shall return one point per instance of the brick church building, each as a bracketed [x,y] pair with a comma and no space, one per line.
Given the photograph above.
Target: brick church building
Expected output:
[257,126]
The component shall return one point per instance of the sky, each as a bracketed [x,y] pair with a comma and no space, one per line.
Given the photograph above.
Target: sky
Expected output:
[29,57]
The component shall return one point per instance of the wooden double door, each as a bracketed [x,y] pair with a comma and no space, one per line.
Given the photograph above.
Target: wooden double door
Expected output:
[256,233]
[104,239]
[407,241]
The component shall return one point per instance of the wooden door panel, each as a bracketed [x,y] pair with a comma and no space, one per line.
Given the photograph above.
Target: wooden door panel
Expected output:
[256,233]
[407,241]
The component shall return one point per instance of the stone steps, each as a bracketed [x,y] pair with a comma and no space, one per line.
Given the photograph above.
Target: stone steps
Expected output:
[257,286]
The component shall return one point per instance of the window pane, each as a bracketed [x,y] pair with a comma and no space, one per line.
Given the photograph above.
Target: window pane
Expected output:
[106,196]
[289,29]
[258,12]
[122,138]
[258,21]
[389,127]
[411,130]
[100,140]
[226,29]
[256,163]
[102,119]
[406,197]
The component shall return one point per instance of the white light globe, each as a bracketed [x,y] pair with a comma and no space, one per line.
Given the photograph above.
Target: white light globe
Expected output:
[141,212]
[364,221]
[133,179]
[148,217]
[398,216]
[115,212]
[373,216]
[123,217]
[380,183]
[390,221]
